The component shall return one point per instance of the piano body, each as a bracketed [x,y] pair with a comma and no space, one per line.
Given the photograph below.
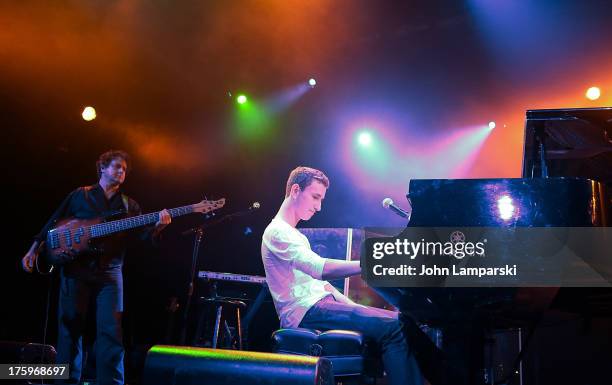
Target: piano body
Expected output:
[567,176]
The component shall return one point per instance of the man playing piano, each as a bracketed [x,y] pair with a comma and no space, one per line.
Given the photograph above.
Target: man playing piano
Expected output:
[297,278]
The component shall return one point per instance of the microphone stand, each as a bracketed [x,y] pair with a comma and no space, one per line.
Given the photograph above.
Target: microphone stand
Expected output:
[199,235]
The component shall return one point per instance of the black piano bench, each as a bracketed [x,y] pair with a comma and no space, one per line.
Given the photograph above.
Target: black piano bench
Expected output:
[353,360]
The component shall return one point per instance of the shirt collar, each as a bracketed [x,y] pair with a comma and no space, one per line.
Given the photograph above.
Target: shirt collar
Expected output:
[98,188]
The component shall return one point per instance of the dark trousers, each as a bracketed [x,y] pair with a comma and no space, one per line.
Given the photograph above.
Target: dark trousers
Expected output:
[105,288]
[375,324]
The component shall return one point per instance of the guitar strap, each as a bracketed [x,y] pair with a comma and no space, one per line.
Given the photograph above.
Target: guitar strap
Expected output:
[126,203]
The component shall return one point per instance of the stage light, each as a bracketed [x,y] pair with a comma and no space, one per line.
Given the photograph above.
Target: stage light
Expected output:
[365,139]
[88,114]
[241,99]
[593,93]
[492,125]
[505,207]
[312,82]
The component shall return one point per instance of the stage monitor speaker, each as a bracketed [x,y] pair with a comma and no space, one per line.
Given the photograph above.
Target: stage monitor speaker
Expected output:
[183,365]
[12,352]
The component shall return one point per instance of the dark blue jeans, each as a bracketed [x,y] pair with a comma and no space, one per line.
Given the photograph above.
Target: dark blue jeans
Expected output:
[105,287]
[375,324]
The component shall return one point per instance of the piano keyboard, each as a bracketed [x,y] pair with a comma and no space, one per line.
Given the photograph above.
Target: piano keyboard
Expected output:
[231,277]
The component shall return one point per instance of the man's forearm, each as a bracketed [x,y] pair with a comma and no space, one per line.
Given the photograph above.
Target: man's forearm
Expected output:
[336,269]
[34,246]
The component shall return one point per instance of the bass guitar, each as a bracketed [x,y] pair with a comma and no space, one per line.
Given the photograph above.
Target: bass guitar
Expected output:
[73,237]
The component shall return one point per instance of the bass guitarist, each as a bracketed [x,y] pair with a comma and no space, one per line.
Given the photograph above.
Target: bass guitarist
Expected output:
[95,276]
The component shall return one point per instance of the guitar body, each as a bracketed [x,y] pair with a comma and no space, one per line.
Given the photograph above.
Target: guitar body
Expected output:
[69,239]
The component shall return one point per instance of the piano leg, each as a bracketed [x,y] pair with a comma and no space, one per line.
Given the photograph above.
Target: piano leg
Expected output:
[461,362]
[432,361]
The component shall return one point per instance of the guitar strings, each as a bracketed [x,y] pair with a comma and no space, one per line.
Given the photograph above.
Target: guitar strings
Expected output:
[133,220]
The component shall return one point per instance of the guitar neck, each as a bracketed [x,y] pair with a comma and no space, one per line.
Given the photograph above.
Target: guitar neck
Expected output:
[107,228]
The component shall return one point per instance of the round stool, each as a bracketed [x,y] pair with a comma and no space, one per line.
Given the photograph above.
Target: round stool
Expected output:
[219,302]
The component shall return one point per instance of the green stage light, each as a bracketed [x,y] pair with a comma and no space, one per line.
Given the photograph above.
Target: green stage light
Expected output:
[371,152]
[241,99]
[253,122]
[365,139]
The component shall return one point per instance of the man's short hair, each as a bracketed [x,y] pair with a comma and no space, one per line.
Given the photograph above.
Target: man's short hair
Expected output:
[105,159]
[304,176]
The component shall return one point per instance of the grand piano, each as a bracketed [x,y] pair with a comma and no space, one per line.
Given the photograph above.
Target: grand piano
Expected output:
[566,182]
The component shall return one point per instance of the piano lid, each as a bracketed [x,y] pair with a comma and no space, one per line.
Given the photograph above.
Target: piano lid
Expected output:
[577,141]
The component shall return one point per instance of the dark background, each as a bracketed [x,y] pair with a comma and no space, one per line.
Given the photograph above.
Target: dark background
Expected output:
[160,75]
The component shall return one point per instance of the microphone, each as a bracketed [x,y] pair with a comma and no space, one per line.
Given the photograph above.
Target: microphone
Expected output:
[254,206]
[388,204]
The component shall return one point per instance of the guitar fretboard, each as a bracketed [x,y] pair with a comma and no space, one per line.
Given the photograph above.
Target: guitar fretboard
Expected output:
[106,228]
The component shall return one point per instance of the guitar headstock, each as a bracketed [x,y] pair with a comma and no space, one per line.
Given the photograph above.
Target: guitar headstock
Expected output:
[208,206]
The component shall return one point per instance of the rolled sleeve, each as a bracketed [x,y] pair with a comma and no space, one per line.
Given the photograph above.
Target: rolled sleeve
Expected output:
[290,248]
